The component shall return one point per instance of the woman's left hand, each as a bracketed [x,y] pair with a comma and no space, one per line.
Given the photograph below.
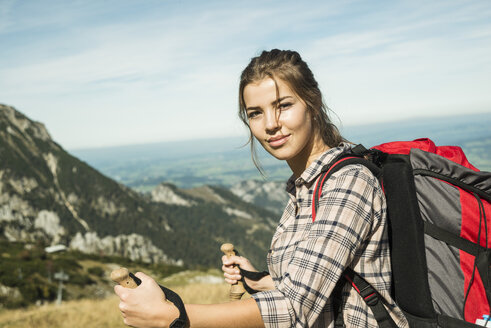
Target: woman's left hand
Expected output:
[145,306]
[232,273]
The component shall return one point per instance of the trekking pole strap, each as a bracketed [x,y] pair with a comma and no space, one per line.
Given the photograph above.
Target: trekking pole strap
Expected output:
[252,275]
[173,297]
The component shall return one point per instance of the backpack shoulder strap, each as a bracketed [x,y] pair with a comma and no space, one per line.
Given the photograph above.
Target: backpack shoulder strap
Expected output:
[371,297]
[355,156]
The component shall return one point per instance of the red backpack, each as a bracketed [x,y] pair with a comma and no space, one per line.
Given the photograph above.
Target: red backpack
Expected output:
[439,209]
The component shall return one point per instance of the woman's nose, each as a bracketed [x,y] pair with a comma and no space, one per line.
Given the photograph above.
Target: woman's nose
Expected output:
[272,120]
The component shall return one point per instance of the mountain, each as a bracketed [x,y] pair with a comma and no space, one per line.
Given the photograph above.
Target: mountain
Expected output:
[49,196]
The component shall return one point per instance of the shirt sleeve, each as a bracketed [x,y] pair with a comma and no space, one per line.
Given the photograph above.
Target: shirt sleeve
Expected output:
[349,207]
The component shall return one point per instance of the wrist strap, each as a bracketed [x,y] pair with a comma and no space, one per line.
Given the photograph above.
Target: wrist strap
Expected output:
[175,299]
[253,275]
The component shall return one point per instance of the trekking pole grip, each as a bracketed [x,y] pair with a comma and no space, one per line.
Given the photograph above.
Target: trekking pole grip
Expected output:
[127,279]
[123,277]
[237,289]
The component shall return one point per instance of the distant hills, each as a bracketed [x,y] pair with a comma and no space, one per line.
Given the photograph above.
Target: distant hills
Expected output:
[227,161]
[48,196]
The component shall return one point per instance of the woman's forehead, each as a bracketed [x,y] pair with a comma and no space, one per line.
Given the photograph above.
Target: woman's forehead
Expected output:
[265,90]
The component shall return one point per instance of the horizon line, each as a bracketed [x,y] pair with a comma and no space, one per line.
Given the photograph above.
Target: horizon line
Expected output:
[340,126]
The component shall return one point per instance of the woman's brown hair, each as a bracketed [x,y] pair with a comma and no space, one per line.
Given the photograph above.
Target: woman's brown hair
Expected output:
[289,67]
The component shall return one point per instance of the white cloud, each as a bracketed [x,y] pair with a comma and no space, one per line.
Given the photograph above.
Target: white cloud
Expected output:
[130,74]
[426,65]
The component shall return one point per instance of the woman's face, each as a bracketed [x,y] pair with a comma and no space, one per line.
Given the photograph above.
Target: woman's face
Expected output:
[283,124]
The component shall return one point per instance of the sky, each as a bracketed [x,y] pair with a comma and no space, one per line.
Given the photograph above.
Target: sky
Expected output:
[106,73]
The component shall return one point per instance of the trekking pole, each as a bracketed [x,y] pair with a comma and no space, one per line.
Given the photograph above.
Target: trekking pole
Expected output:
[128,280]
[237,289]
[123,277]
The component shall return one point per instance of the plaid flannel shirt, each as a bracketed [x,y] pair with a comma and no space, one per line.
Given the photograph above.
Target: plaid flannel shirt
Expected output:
[306,258]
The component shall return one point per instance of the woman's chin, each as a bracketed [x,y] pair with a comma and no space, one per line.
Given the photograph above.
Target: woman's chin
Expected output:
[280,154]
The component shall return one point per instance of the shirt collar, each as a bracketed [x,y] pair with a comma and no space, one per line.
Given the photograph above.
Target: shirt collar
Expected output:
[314,169]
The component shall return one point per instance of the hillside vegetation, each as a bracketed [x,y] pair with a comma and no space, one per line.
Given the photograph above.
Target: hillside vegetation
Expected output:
[27,274]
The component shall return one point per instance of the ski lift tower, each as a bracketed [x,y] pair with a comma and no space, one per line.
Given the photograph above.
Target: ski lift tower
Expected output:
[60,276]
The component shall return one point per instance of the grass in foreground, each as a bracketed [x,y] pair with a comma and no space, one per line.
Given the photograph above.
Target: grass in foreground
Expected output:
[99,313]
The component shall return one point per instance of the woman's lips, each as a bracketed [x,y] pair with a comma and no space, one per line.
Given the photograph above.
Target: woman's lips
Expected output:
[278,141]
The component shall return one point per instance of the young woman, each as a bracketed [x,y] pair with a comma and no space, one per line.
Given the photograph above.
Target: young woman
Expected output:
[280,102]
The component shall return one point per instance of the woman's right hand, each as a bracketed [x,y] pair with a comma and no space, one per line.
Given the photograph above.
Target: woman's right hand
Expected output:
[232,275]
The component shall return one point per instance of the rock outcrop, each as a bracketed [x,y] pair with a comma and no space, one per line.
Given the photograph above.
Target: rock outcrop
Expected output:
[168,194]
[270,194]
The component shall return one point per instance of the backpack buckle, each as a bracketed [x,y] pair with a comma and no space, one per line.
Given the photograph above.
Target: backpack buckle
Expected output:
[371,299]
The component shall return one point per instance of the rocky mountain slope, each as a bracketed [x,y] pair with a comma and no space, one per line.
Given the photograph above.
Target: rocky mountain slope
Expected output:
[268,194]
[49,196]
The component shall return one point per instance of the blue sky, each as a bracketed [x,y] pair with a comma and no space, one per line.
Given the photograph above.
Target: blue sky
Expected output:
[101,73]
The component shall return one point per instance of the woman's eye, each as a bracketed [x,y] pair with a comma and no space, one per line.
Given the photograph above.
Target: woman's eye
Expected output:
[252,114]
[285,105]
